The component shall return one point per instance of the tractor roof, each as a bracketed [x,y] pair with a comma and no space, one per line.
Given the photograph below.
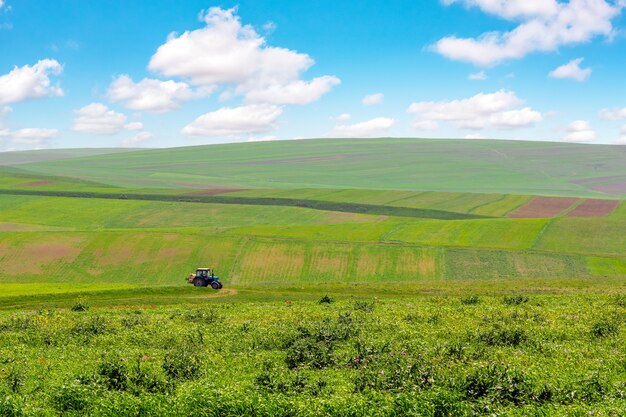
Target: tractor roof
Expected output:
[203,269]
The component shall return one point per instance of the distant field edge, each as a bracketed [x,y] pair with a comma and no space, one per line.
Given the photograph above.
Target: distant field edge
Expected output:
[261,201]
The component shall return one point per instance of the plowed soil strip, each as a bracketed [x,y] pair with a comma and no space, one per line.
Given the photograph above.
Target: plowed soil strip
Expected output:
[594,208]
[542,207]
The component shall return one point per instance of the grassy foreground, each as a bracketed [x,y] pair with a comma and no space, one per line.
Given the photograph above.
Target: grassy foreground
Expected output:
[517,354]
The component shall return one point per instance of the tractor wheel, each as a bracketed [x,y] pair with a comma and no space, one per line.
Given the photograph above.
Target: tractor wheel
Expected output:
[215,285]
[220,284]
[199,282]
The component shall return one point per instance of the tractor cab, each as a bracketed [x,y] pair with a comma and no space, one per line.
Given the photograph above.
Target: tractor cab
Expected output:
[203,278]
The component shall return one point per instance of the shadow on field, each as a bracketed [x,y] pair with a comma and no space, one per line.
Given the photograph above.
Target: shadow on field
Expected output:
[260,201]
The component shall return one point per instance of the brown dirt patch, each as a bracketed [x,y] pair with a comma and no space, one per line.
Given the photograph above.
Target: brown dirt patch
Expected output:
[615,188]
[594,208]
[215,294]
[10,227]
[215,191]
[541,207]
[35,183]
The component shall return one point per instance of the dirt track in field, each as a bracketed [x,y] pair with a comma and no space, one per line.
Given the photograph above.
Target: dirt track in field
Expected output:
[542,207]
[594,208]
[216,294]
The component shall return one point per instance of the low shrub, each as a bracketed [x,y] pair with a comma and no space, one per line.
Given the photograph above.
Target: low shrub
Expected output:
[363,305]
[499,383]
[604,328]
[80,305]
[515,299]
[503,336]
[326,300]
[183,364]
[471,300]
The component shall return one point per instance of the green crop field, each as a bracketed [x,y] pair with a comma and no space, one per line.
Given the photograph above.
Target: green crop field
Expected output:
[381,277]
[483,166]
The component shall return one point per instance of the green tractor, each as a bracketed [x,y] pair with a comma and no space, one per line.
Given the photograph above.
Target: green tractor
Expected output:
[203,278]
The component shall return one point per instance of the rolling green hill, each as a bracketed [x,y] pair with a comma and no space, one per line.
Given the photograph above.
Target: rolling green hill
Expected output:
[315,212]
[480,166]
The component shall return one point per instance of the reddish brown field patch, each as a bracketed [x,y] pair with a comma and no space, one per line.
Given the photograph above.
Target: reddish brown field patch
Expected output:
[616,188]
[594,208]
[35,183]
[541,207]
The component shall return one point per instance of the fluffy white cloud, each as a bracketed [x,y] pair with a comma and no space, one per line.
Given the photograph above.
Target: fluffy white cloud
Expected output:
[296,92]
[474,136]
[30,136]
[425,125]
[497,110]
[572,70]
[373,127]
[613,114]
[622,136]
[373,99]
[580,131]
[97,119]
[26,83]
[149,94]
[545,25]
[138,139]
[343,117]
[225,52]
[235,121]
[133,126]
[477,76]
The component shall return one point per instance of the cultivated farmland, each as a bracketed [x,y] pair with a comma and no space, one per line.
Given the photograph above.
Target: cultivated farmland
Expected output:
[452,282]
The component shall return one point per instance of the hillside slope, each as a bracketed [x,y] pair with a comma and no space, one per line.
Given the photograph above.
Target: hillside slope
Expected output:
[483,166]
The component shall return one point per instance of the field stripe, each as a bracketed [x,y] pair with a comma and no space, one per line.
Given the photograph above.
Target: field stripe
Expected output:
[310,204]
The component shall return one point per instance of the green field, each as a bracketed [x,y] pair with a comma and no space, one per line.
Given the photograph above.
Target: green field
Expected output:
[482,166]
[440,304]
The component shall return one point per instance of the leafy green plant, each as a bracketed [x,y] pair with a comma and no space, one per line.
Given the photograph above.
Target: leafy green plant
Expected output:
[515,299]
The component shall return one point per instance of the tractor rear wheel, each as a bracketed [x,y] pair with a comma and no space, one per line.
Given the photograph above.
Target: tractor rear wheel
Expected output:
[199,282]
[215,285]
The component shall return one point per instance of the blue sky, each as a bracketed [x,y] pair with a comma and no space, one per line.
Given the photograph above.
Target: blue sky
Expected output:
[176,73]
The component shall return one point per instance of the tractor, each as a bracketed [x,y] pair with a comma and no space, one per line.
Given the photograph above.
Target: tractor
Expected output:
[203,278]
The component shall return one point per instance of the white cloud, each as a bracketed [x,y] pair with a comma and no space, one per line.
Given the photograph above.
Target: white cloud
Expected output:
[425,125]
[97,119]
[225,52]
[373,99]
[343,117]
[133,126]
[373,127]
[474,136]
[545,25]
[149,94]
[613,114]
[268,138]
[498,110]
[622,136]
[1,4]
[296,92]
[30,136]
[572,70]
[138,139]
[580,131]
[477,76]
[235,121]
[26,83]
